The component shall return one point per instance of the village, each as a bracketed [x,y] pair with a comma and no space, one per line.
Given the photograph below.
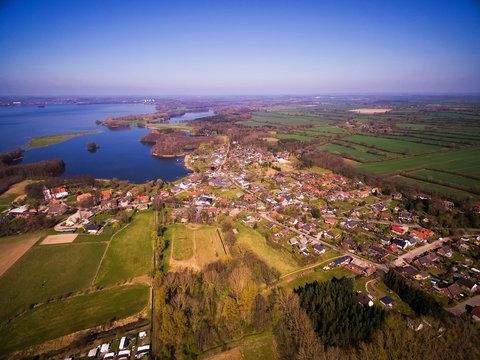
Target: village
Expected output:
[320,219]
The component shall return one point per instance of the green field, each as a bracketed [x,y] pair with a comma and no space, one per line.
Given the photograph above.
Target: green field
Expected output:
[463,161]
[55,319]
[279,259]
[48,271]
[281,119]
[181,242]
[318,275]
[208,245]
[355,152]
[445,178]
[394,145]
[41,141]
[130,252]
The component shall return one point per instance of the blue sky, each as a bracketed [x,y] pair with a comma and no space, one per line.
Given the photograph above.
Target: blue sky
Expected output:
[238,47]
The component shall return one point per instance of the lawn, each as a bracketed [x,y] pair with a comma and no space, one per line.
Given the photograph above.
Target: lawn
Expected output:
[63,317]
[394,145]
[181,242]
[130,252]
[45,272]
[279,259]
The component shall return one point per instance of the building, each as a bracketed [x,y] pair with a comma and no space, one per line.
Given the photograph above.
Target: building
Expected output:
[387,301]
[319,249]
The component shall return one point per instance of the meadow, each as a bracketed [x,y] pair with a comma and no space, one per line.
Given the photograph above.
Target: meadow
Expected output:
[61,317]
[130,252]
[279,259]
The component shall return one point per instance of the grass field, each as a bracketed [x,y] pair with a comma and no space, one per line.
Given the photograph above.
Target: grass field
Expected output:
[318,275]
[254,347]
[59,318]
[195,245]
[13,192]
[181,241]
[279,259]
[281,119]
[46,272]
[448,179]
[130,252]
[12,248]
[355,152]
[394,145]
[41,141]
[463,161]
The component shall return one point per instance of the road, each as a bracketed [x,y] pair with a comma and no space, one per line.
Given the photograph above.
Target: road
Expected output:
[459,309]
[419,251]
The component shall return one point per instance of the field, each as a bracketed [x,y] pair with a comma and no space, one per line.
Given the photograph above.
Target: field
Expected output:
[12,248]
[129,253]
[46,272]
[279,259]
[59,239]
[255,347]
[318,275]
[353,151]
[47,140]
[55,319]
[281,119]
[13,192]
[398,146]
[194,245]
[181,242]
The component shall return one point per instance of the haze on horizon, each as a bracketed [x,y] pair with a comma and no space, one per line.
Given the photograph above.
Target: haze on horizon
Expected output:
[238,47]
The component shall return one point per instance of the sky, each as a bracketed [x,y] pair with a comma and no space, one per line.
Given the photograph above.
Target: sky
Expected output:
[246,47]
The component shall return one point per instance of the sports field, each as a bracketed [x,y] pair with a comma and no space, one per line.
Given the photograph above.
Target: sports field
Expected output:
[47,272]
[130,252]
[62,317]
[279,259]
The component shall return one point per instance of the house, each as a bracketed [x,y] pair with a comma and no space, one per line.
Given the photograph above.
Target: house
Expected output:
[93,229]
[452,291]
[293,241]
[475,312]
[399,229]
[123,355]
[421,234]
[85,200]
[92,353]
[104,348]
[110,355]
[387,301]
[59,192]
[343,260]
[123,343]
[18,210]
[56,208]
[401,243]
[365,299]
[142,351]
[106,194]
[204,200]
[467,283]
[445,251]
[330,220]
[319,248]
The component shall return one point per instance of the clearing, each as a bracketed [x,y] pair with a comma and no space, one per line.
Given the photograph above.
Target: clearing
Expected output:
[59,239]
[62,317]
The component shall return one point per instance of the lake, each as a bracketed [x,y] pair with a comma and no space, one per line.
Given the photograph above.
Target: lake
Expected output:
[121,154]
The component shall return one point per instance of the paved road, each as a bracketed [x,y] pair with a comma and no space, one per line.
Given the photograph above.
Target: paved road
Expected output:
[419,251]
[459,309]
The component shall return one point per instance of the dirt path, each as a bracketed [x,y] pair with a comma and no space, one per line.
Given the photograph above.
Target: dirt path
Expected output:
[419,251]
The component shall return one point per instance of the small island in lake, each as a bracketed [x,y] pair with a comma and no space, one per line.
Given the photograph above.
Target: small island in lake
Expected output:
[47,140]
[92,147]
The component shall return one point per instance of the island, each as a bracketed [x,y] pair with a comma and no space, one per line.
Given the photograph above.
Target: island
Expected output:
[47,140]
[92,147]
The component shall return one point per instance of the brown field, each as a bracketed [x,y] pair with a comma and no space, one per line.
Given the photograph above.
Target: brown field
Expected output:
[59,239]
[12,248]
[370,111]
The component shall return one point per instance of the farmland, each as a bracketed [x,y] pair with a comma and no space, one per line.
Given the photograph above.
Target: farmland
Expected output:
[63,317]
[130,252]
[48,271]
[12,248]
